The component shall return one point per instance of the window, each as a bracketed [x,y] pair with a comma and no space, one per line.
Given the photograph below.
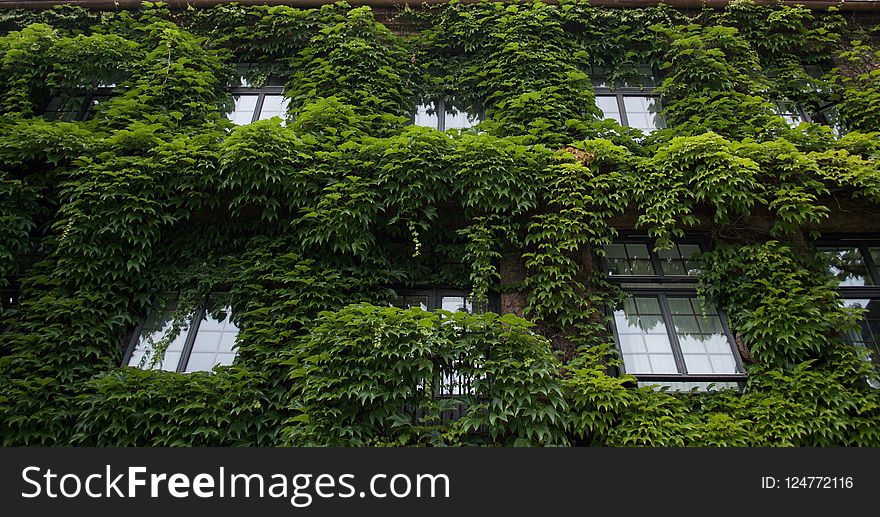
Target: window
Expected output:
[78,107]
[204,339]
[828,115]
[631,103]
[432,299]
[815,92]
[450,382]
[666,334]
[252,102]
[855,262]
[793,113]
[429,115]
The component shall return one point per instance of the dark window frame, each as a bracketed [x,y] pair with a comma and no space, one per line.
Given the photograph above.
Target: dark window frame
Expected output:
[456,386]
[799,110]
[862,243]
[851,292]
[819,115]
[601,88]
[85,111]
[665,287]
[435,296]
[198,316]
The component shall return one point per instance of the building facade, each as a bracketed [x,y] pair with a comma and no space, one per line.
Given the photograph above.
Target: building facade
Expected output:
[452,224]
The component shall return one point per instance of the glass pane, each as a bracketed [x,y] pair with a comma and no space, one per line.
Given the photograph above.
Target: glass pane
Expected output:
[614,261]
[868,335]
[639,259]
[628,260]
[64,110]
[642,112]
[214,340]
[273,106]
[455,303]
[609,107]
[599,77]
[790,112]
[426,115]
[251,75]
[830,116]
[704,344]
[243,113]
[158,329]
[457,119]
[678,260]
[415,301]
[648,306]
[691,386]
[644,341]
[847,265]
[874,252]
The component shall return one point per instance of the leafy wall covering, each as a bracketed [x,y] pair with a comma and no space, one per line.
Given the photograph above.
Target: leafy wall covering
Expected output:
[307,225]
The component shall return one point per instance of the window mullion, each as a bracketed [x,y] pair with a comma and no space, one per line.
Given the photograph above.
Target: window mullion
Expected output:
[873,272]
[722,317]
[84,108]
[440,105]
[655,259]
[198,316]
[132,343]
[673,336]
[258,109]
[803,113]
[616,333]
[621,108]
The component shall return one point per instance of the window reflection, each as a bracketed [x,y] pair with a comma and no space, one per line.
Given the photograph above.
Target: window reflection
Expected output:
[644,339]
[427,114]
[197,341]
[256,105]
[847,264]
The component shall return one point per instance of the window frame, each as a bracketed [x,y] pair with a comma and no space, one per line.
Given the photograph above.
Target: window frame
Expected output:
[668,286]
[861,242]
[857,292]
[440,109]
[435,296]
[449,384]
[198,316]
[799,111]
[601,88]
[259,92]
[86,111]
[620,94]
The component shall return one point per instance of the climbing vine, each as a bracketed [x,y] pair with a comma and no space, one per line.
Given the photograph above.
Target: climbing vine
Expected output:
[306,223]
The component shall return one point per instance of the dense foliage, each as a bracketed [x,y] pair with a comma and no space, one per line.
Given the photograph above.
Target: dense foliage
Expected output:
[307,224]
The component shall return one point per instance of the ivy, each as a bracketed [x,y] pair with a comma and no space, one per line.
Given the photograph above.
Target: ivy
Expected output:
[366,375]
[305,223]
